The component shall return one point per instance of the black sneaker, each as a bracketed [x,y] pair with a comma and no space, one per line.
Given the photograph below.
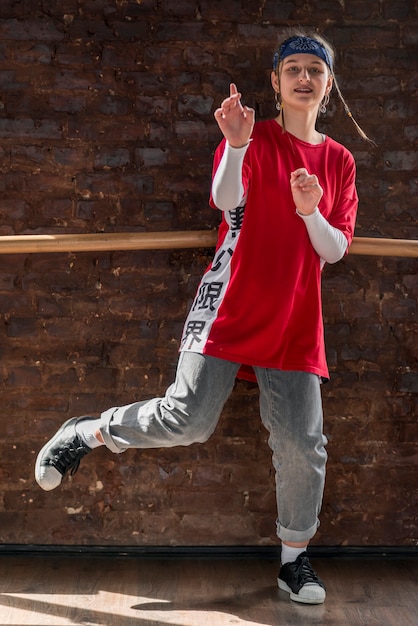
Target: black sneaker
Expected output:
[63,452]
[300,580]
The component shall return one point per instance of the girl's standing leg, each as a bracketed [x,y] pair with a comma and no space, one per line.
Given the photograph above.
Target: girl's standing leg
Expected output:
[291,410]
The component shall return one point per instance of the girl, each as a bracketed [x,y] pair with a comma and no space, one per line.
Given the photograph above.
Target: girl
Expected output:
[288,201]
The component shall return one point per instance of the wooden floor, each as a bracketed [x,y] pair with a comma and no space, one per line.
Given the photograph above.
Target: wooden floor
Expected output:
[135,591]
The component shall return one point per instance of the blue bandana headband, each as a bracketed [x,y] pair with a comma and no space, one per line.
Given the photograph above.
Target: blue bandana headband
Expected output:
[302,45]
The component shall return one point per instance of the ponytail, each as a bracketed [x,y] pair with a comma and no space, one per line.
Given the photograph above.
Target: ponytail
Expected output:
[349,114]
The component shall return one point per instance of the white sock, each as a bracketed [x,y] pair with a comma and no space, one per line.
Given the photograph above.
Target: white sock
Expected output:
[289,554]
[87,431]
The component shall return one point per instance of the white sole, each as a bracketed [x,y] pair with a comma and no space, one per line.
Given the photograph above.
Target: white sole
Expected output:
[38,465]
[301,599]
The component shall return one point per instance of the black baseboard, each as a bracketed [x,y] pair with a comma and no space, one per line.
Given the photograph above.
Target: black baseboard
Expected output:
[213,552]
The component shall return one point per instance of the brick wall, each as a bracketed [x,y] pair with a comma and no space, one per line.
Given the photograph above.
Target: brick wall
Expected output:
[106,124]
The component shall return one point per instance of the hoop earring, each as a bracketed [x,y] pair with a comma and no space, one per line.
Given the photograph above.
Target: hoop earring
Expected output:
[325,101]
[278,101]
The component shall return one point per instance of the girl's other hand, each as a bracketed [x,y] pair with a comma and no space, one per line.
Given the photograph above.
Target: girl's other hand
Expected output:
[306,191]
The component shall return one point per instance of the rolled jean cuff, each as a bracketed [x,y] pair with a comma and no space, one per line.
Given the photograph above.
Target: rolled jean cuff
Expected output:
[105,420]
[296,536]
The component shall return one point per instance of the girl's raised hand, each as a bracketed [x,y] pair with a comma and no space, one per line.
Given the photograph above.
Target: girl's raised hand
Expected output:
[235,121]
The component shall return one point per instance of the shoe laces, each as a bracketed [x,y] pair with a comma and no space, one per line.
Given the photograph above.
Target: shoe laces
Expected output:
[69,456]
[305,572]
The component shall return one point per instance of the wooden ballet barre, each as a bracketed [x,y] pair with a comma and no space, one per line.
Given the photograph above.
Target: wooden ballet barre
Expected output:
[376,246]
[99,242]
[96,242]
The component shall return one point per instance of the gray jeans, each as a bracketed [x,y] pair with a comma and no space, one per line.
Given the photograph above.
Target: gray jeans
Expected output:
[291,410]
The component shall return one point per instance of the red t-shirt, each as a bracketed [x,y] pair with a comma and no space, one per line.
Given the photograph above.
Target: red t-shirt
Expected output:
[259,301]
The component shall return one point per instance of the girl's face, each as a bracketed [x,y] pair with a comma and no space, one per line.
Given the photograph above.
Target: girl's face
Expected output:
[303,81]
